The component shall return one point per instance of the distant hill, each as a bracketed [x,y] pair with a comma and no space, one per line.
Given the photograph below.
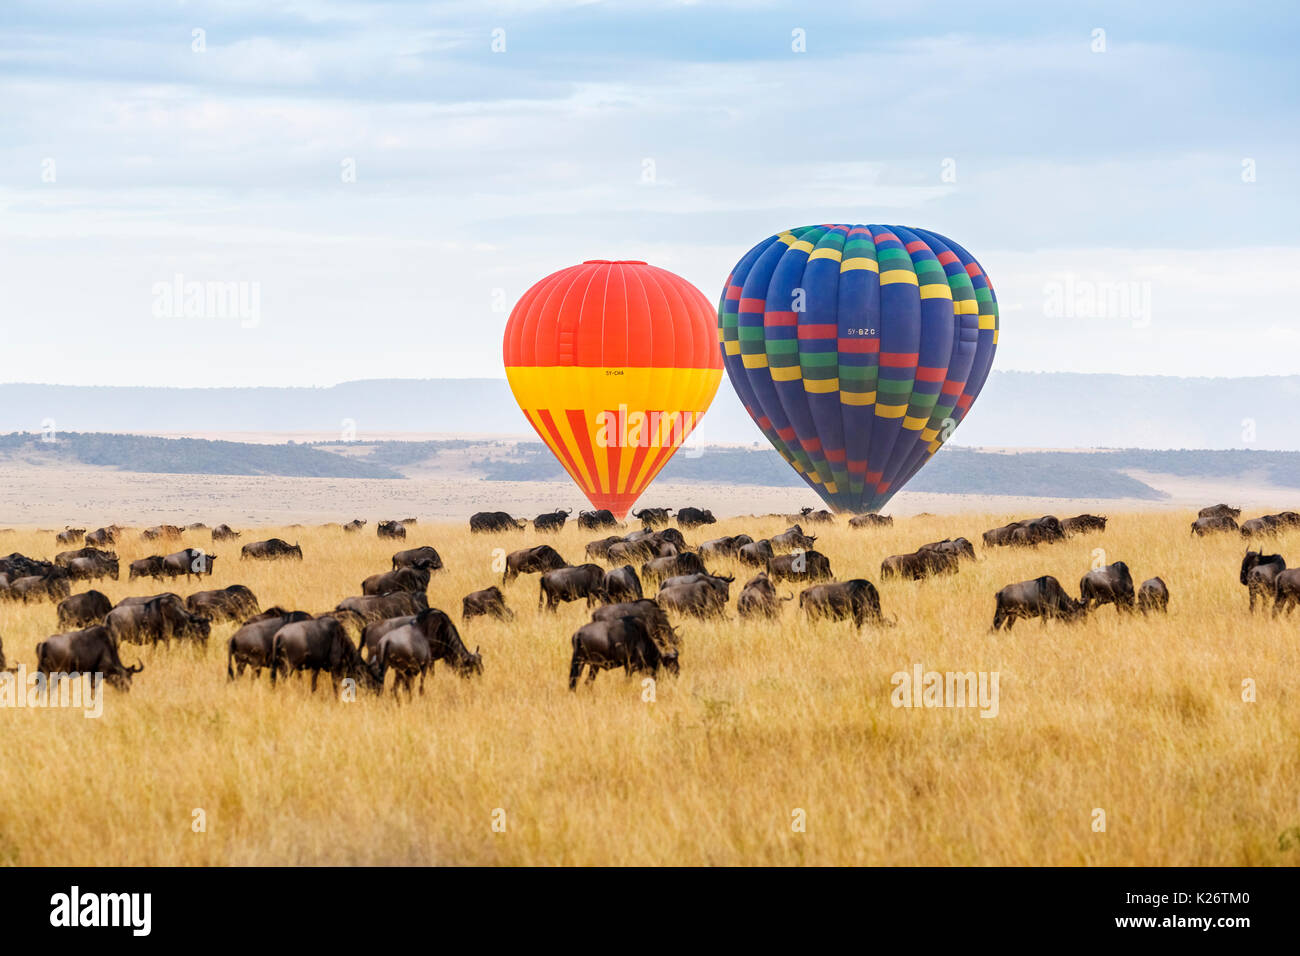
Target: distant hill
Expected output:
[1016,409]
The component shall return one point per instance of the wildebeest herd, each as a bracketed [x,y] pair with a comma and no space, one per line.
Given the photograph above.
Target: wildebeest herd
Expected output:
[634,585]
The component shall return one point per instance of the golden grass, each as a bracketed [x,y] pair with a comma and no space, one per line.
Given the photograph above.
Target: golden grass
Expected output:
[1141,718]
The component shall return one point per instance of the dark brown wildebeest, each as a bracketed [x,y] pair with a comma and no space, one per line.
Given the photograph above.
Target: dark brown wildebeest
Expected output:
[959,547]
[223,532]
[1042,597]
[572,584]
[1219,511]
[722,584]
[1259,573]
[491,521]
[532,561]
[408,522]
[597,520]
[756,553]
[425,558]
[162,532]
[1263,525]
[856,600]
[1289,519]
[355,525]
[1153,595]
[1082,524]
[870,521]
[659,538]
[1212,524]
[160,619]
[146,598]
[391,529]
[1027,533]
[649,613]
[94,567]
[375,630]
[489,602]
[101,538]
[321,644]
[270,550]
[552,521]
[190,562]
[196,526]
[1286,591]
[70,536]
[403,579]
[654,517]
[815,517]
[758,598]
[622,584]
[20,566]
[658,568]
[600,549]
[150,567]
[35,588]
[694,517]
[376,607]
[699,598]
[91,650]
[234,603]
[623,642]
[415,647]
[793,539]
[918,565]
[623,552]
[725,547]
[64,558]
[1110,584]
[83,610]
[250,646]
[800,566]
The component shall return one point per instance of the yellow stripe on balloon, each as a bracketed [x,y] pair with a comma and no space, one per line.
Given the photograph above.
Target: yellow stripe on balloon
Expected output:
[731,348]
[788,373]
[891,411]
[914,423]
[988,322]
[965,306]
[803,245]
[859,262]
[755,360]
[935,290]
[857,398]
[897,277]
[821,385]
[826,252]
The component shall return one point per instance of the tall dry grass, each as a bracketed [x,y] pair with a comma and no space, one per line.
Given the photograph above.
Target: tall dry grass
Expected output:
[1142,718]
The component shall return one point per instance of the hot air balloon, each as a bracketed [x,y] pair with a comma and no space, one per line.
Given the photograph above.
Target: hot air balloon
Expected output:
[613,363]
[857,350]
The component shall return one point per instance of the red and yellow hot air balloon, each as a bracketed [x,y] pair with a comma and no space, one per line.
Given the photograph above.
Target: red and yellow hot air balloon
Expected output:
[613,362]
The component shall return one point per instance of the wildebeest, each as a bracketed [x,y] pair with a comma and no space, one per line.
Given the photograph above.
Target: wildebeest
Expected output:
[586,581]
[597,520]
[377,607]
[20,566]
[1110,584]
[158,619]
[1082,524]
[161,532]
[1028,532]
[146,598]
[793,539]
[654,517]
[1153,595]
[150,567]
[919,564]
[870,521]
[70,536]
[223,532]
[1219,511]
[250,646]
[270,550]
[700,598]
[624,551]
[726,547]
[355,525]
[801,565]
[234,603]
[857,600]
[414,648]
[821,516]
[1286,591]
[190,561]
[959,547]
[531,561]
[600,549]
[320,644]
[720,583]
[758,598]
[101,538]
[756,553]
[490,521]
[489,602]
[425,558]
[622,584]
[34,588]
[1259,573]
[1263,525]
[391,529]
[83,610]
[1042,597]
[403,579]
[658,568]
[90,564]
[552,521]
[1212,524]
[694,517]
[649,613]
[373,632]
[624,642]
[91,650]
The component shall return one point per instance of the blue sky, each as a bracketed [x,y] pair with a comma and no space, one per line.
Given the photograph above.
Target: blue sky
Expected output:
[1156,178]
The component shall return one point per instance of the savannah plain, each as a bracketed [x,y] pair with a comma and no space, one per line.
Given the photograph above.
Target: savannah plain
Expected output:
[1142,718]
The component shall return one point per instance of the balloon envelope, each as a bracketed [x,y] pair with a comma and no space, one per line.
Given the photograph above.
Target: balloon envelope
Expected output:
[857,349]
[613,362]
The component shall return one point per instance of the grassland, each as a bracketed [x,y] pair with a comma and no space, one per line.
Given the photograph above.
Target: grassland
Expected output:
[1142,718]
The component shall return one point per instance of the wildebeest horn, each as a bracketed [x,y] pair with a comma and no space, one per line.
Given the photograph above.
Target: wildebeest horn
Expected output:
[137,669]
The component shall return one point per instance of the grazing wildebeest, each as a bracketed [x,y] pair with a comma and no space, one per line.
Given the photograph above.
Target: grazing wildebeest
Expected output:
[623,551]
[413,648]
[758,598]
[190,561]
[146,598]
[1289,519]
[65,558]
[649,613]
[91,650]
[815,517]
[320,644]
[20,566]
[1263,525]
[425,558]
[1153,595]
[720,583]
[801,565]
[101,538]
[600,549]
[597,520]
[489,521]
[83,610]
[586,581]
[623,642]
[223,532]
[756,553]
[660,538]
[657,568]
[373,632]
[1082,524]
[622,584]
[1212,524]
[694,517]
[1042,597]
[159,619]
[270,550]
[531,561]
[489,602]
[700,598]
[250,646]
[552,521]
[1220,511]
[391,529]
[654,517]
[234,603]
[355,525]
[38,587]
[1286,591]
[403,579]
[1110,584]
[94,567]
[870,521]
[377,607]
[1259,573]
[725,547]
[856,600]
[1030,532]
[150,567]
[959,547]
[161,532]
[793,539]
[70,536]
[919,564]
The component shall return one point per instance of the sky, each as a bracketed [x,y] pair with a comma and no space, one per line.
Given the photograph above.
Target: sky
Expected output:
[378,182]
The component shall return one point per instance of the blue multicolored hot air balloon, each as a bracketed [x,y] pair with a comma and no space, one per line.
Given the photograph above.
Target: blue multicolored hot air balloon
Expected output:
[857,350]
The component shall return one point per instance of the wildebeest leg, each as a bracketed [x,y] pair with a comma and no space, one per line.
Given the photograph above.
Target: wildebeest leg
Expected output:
[575,668]
[315,675]
[422,671]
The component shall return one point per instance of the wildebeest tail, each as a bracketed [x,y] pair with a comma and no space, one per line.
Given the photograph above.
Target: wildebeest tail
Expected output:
[230,656]
[275,655]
